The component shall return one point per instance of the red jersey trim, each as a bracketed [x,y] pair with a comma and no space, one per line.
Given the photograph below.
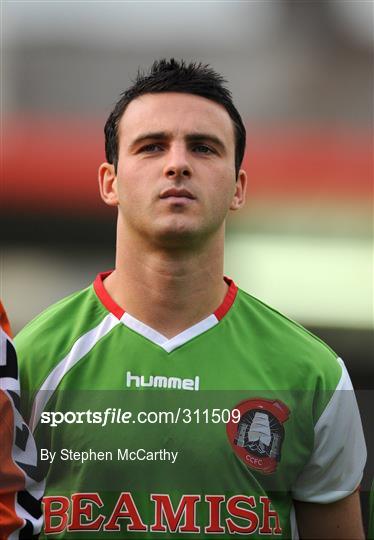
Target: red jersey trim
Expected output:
[229,299]
[105,297]
[114,308]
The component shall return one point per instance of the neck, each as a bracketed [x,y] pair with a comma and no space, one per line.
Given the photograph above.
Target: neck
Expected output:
[168,289]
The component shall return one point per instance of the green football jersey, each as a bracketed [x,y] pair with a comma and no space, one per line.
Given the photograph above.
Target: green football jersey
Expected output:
[213,432]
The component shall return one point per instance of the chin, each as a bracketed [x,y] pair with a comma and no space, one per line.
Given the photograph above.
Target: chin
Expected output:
[178,235]
[185,237]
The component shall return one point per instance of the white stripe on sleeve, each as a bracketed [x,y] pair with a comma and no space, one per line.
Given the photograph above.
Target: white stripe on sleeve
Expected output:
[336,466]
[81,347]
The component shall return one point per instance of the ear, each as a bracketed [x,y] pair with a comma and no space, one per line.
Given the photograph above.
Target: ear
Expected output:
[240,187]
[108,184]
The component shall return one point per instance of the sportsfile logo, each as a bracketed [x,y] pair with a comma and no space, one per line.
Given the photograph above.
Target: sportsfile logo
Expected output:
[239,514]
[159,381]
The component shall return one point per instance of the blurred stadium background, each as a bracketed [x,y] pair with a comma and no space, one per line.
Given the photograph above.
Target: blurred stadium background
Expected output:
[301,73]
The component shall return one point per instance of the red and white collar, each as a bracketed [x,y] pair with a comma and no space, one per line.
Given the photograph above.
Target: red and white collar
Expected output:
[151,334]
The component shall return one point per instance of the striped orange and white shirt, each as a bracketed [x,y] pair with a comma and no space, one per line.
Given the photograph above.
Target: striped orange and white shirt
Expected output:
[21,481]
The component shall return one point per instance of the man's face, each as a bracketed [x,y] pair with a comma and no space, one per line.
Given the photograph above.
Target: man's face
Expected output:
[176,168]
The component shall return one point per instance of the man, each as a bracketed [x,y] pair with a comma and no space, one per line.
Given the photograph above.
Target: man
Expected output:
[21,484]
[247,416]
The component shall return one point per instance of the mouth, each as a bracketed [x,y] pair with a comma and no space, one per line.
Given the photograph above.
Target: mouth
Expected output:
[177,193]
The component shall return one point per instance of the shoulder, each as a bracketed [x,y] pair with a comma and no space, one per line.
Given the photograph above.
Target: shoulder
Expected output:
[77,312]
[50,336]
[290,344]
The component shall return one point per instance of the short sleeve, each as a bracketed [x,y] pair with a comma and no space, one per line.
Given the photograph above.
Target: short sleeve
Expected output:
[335,468]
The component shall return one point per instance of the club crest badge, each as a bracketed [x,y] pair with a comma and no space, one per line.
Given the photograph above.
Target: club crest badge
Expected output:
[258,436]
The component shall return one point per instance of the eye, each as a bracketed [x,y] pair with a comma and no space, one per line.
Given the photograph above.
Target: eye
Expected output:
[151,148]
[203,149]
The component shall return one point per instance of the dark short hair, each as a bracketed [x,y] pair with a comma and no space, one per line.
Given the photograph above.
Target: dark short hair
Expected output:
[176,76]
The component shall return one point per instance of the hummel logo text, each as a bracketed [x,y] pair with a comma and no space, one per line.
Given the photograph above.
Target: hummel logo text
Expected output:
[159,381]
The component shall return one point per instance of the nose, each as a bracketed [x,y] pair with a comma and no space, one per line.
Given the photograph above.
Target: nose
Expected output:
[177,163]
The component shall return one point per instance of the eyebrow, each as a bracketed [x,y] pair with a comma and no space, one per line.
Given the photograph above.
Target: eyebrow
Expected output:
[191,137]
[196,137]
